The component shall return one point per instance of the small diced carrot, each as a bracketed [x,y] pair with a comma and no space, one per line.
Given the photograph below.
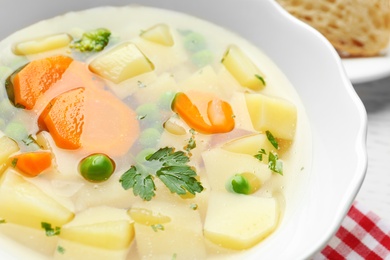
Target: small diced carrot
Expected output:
[31,164]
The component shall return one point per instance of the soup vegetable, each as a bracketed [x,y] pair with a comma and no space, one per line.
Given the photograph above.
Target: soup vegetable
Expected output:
[153,135]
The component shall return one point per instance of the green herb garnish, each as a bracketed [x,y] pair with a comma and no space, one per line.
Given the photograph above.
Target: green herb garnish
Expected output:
[94,40]
[169,166]
[272,139]
[260,154]
[50,231]
[2,221]
[60,250]
[14,162]
[260,78]
[274,164]
[157,227]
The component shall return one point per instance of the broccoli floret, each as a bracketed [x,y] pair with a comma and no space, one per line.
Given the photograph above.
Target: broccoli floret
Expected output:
[94,40]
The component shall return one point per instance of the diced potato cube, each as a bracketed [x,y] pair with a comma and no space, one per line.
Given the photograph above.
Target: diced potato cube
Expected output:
[238,221]
[181,236]
[42,44]
[243,69]
[276,115]
[231,163]
[249,144]
[7,147]
[121,63]
[70,250]
[103,227]
[23,203]
[159,34]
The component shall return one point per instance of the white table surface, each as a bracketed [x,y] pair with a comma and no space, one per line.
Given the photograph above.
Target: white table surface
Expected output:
[375,191]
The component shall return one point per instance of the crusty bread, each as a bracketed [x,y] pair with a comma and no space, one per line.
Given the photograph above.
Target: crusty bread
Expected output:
[354,27]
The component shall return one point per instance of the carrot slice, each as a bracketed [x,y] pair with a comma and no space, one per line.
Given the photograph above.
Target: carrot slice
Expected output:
[221,116]
[219,113]
[36,78]
[91,119]
[33,163]
[63,118]
[189,113]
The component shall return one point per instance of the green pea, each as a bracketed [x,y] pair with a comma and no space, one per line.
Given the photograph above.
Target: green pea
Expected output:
[4,72]
[16,131]
[149,137]
[243,183]
[96,167]
[165,100]
[148,112]
[194,42]
[141,156]
[202,58]
[7,110]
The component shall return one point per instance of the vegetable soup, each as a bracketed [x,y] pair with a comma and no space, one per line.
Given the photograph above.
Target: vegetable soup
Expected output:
[148,134]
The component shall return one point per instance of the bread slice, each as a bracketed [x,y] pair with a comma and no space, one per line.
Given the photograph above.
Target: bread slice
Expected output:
[354,27]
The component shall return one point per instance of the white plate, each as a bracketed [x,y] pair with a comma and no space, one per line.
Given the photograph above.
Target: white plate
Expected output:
[361,70]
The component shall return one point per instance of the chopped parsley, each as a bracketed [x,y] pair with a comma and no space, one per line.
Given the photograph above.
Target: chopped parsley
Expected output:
[191,142]
[94,40]
[272,139]
[50,231]
[194,206]
[60,250]
[157,227]
[169,166]
[260,154]
[14,162]
[260,78]
[2,221]
[274,163]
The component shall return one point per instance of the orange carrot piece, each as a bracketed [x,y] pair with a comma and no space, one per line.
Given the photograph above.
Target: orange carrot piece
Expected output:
[31,164]
[36,78]
[91,119]
[219,113]
[189,113]
[221,116]
[63,118]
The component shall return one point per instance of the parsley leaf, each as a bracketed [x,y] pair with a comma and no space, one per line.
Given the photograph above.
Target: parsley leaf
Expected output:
[261,79]
[172,170]
[272,139]
[141,182]
[49,230]
[2,221]
[274,164]
[260,154]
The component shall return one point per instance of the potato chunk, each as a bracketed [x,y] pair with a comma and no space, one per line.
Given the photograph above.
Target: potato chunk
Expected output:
[249,144]
[181,235]
[158,34]
[276,115]
[121,63]
[7,147]
[243,69]
[238,221]
[43,44]
[232,163]
[103,227]
[23,203]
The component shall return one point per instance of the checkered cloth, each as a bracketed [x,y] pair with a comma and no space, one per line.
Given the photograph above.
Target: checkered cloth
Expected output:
[362,235]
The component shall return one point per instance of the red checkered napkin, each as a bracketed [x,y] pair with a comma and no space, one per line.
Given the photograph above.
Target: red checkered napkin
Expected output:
[362,235]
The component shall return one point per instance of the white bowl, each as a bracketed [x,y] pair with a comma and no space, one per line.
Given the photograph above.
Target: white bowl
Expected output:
[336,114]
